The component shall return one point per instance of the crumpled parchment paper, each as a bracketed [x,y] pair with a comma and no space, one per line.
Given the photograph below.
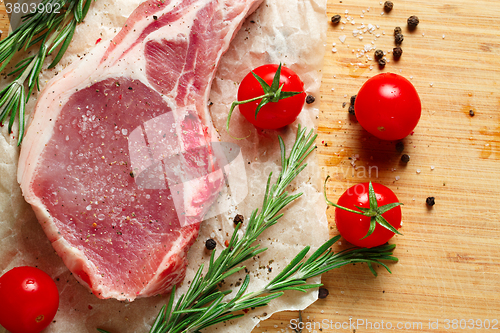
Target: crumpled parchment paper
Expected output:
[289,31]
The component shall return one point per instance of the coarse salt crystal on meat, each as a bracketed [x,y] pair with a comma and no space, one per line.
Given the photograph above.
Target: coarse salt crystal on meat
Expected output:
[96,163]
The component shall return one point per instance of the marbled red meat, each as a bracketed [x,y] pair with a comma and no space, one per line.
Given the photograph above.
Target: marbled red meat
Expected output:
[96,161]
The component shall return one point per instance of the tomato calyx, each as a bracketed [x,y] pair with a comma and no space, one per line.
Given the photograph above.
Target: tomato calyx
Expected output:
[272,94]
[374,212]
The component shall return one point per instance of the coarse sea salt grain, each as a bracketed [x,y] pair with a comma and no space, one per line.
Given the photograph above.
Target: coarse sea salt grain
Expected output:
[342,39]
[418,171]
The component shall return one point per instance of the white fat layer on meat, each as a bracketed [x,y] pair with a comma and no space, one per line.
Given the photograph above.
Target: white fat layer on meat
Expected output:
[292,32]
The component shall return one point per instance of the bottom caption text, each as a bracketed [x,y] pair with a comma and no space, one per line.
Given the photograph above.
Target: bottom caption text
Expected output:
[360,324]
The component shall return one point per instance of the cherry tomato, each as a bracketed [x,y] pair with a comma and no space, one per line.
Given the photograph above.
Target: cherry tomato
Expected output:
[353,227]
[388,106]
[28,300]
[273,115]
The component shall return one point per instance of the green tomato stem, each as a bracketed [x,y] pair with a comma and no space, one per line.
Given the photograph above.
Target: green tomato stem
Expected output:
[235,103]
[374,212]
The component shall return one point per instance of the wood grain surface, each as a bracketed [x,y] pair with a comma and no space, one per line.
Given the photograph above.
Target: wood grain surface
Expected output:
[449,268]
[447,279]
[4,21]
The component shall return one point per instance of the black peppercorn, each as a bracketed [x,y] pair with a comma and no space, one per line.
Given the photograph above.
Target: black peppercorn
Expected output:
[379,54]
[351,110]
[388,6]
[405,158]
[310,99]
[210,244]
[412,22]
[397,30]
[238,219]
[471,113]
[382,62]
[398,39]
[430,201]
[323,292]
[336,19]
[351,107]
[397,52]
[353,99]
[400,146]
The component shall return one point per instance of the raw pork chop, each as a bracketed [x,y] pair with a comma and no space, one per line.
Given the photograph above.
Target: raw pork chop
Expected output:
[115,139]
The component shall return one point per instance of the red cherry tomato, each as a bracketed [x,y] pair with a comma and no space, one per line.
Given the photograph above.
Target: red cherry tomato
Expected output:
[388,106]
[28,300]
[273,115]
[353,227]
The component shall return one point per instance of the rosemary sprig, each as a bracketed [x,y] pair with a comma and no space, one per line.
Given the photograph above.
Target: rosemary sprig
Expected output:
[49,29]
[203,289]
[203,304]
[293,277]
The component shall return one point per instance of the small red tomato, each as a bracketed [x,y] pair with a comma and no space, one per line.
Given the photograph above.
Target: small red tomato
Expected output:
[367,214]
[29,300]
[388,106]
[274,114]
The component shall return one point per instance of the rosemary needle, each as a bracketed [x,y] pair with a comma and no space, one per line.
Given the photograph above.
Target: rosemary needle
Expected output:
[49,30]
[204,305]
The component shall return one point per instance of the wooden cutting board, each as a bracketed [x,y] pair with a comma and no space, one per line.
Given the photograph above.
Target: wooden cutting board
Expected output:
[447,279]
